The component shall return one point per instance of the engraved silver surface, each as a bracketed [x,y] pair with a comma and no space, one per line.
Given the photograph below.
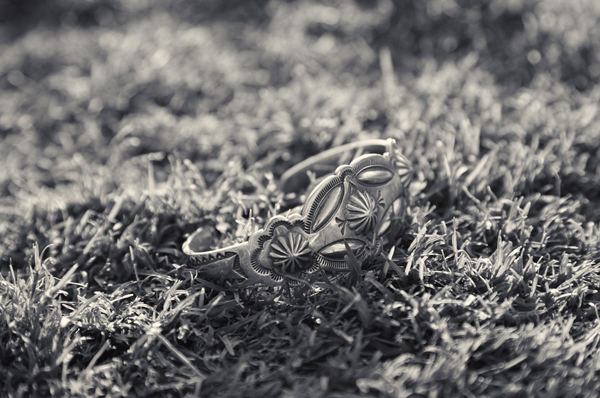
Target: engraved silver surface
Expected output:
[354,208]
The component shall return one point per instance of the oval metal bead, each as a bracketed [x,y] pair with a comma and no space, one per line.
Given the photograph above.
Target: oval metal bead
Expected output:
[327,208]
[375,175]
[337,250]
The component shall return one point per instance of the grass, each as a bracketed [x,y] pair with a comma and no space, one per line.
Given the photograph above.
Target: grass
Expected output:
[126,125]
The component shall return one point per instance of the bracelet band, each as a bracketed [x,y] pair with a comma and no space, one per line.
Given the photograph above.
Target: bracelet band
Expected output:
[352,208]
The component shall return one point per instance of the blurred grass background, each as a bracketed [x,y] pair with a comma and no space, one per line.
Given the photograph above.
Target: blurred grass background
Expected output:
[91,87]
[126,124]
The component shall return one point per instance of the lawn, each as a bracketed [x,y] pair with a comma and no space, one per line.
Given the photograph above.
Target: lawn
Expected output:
[125,125]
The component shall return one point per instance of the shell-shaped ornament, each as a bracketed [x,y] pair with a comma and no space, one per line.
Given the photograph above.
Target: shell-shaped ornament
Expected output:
[290,253]
[362,211]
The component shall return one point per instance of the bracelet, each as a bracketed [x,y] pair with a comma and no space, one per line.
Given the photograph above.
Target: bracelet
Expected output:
[351,209]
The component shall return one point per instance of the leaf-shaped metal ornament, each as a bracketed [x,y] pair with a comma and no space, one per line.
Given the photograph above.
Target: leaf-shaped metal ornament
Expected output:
[323,204]
[337,250]
[375,175]
[333,256]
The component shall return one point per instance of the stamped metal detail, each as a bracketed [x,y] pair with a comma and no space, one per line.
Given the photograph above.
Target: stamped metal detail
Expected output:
[352,209]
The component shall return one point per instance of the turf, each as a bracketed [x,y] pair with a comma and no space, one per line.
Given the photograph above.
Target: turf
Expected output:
[127,124]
